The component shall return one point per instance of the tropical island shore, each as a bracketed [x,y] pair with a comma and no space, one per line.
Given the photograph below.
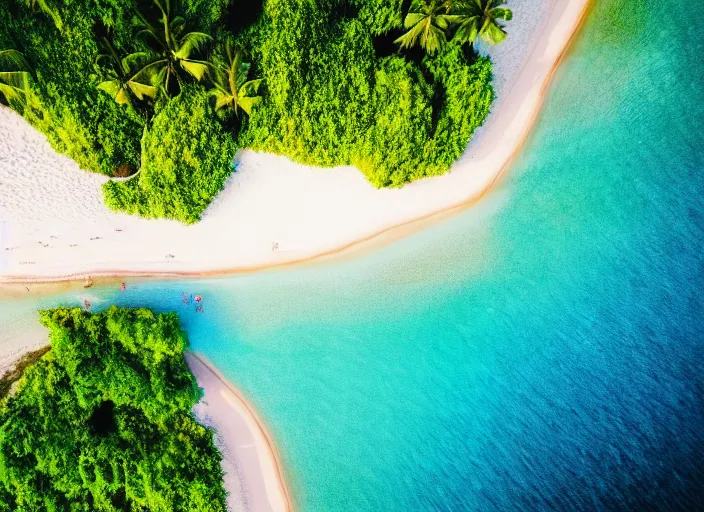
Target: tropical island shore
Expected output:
[253,476]
[54,225]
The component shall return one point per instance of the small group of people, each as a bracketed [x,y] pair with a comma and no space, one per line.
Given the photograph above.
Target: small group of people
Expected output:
[187,299]
[88,284]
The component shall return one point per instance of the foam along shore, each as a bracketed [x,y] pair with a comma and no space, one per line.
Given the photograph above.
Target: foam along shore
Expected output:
[54,225]
[253,476]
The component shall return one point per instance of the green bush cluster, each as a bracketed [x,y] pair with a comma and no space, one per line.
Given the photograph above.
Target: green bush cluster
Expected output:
[186,157]
[332,101]
[103,421]
[332,95]
[65,105]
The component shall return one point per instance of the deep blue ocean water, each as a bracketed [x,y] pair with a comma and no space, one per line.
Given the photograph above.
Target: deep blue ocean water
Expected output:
[542,351]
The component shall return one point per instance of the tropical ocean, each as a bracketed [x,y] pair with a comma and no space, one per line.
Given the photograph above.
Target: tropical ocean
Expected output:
[543,350]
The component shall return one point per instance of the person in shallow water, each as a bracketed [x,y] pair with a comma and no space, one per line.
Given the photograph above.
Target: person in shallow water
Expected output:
[123,287]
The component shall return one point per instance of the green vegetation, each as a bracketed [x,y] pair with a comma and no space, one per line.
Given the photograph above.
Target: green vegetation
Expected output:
[64,103]
[480,18]
[14,76]
[103,422]
[231,88]
[331,82]
[429,22]
[121,81]
[175,51]
[339,92]
[14,374]
[47,7]
[186,157]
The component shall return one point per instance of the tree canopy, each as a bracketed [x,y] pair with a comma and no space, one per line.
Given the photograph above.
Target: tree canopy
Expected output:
[480,18]
[429,23]
[321,82]
[103,421]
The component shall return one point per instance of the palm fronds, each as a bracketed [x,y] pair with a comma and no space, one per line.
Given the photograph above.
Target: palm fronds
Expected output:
[480,18]
[429,22]
[47,7]
[228,75]
[14,76]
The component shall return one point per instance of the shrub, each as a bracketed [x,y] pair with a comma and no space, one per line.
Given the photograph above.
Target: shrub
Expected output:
[103,421]
[78,120]
[330,97]
[186,157]
[331,101]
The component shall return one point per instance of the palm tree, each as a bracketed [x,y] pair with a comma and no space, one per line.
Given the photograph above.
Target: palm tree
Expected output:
[14,76]
[230,85]
[175,49]
[121,81]
[479,18]
[428,21]
[47,7]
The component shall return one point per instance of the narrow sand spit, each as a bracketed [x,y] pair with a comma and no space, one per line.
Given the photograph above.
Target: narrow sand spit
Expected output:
[253,476]
[54,226]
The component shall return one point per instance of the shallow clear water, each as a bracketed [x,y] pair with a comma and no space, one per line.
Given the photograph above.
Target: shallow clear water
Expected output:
[543,350]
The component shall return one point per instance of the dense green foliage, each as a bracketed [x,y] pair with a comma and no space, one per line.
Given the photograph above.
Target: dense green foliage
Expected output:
[186,157]
[431,23]
[78,120]
[103,421]
[14,76]
[480,18]
[331,100]
[175,50]
[327,86]
[231,88]
[13,374]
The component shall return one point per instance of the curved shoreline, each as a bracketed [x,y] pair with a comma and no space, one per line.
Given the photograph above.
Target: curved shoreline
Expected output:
[254,479]
[272,487]
[522,99]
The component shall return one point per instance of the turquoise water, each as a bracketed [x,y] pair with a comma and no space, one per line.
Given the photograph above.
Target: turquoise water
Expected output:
[542,351]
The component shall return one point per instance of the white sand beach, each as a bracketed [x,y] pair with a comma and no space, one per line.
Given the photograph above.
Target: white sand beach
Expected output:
[253,476]
[54,226]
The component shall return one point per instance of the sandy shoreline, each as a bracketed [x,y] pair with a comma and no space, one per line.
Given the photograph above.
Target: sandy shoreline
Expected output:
[53,225]
[253,478]
[253,475]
